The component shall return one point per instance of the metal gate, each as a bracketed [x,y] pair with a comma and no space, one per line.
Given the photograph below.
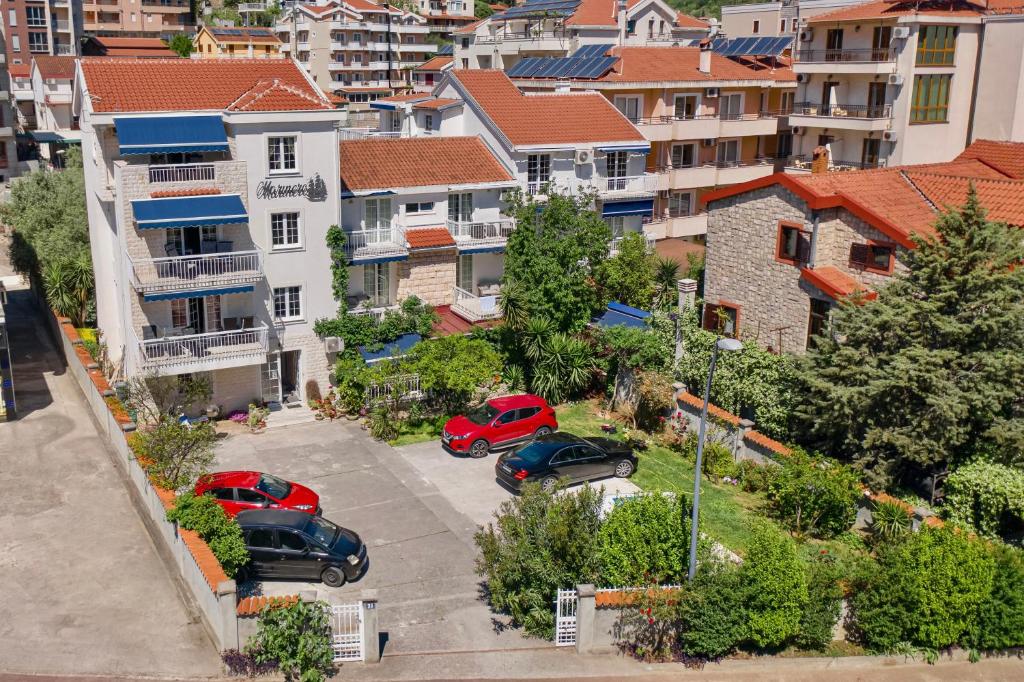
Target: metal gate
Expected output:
[347,632]
[565,618]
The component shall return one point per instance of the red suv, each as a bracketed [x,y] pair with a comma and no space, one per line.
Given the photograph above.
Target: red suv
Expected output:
[499,421]
[239,491]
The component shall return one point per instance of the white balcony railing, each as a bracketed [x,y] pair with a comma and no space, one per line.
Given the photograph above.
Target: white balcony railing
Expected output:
[473,308]
[617,243]
[183,172]
[363,133]
[180,273]
[495,232]
[648,182]
[212,350]
[377,242]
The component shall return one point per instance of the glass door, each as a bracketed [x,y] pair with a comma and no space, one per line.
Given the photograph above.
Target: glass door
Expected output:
[464,273]
[730,107]
[686,107]
[270,379]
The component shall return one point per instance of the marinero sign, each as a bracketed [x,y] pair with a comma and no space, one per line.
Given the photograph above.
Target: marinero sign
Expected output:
[314,189]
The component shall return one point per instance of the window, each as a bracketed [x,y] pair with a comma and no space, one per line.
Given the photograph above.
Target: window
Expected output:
[684,155]
[834,45]
[870,150]
[465,43]
[730,107]
[428,122]
[873,257]
[818,319]
[930,103]
[795,26]
[37,42]
[16,44]
[538,172]
[728,152]
[782,26]
[281,154]
[464,273]
[460,207]
[12,16]
[288,303]
[936,45]
[723,318]
[757,27]
[179,313]
[686,106]
[251,496]
[284,230]
[527,412]
[876,100]
[261,538]
[615,166]
[377,215]
[291,541]
[617,223]
[507,418]
[419,207]
[377,284]
[680,204]
[794,246]
[629,106]
[784,145]
[223,493]
[881,40]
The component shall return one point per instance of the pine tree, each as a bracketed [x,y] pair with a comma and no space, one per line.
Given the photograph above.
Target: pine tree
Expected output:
[931,373]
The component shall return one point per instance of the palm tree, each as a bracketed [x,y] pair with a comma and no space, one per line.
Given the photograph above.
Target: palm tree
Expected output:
[533,335]
[514,305]
[565,368]
[666,274]
[68,285]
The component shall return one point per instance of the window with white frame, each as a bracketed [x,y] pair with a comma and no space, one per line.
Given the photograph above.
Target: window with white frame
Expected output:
[284,230]
[728,152]
[684,155]
[377,284]
[288,303]
[680,204]
[377,214]
[428,122]
[686,106]
[460,207]
[538,172]
[618,225]
[38,42]
[281,156]
[730,106]
[419,207]
[616,164]
[464,273]
[629,106]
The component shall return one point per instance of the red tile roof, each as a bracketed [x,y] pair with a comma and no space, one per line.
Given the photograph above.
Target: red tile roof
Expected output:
[139,43]
[886,9]
[436,103]
[684,20]
[418,162]
[57,68]
[253,606]
[768,443]
[128,85]
[273,95]
[562,118]
[243,34]
[834,282]
[655,64]
[435,64]
[190,192]
[469,28]
[20,70]
[429,238]
[594,13]
[449,323]
[1006,157]
[405,97]
[1003,200]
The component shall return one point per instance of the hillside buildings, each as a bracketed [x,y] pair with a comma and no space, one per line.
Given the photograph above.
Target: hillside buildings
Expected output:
[236,43]
[142,19]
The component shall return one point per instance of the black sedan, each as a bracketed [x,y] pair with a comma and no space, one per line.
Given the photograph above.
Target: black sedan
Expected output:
[564,457]
[286,544]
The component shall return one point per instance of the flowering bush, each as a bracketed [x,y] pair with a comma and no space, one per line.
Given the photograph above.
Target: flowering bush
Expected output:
[328,407]
[239,416]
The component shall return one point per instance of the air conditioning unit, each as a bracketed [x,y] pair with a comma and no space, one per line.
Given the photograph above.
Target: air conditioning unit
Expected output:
[895,79]
[711,92]
[803,78]
[334,344]
[709,142]
[890,136]
[797,130]
[584,156]
[900,32]
[806,35]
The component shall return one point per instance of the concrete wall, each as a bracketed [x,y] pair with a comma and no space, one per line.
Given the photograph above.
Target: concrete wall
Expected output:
[726,428]
[999,100]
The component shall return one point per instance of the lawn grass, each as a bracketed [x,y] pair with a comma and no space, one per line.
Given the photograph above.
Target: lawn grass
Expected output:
[728,512]
[425,430]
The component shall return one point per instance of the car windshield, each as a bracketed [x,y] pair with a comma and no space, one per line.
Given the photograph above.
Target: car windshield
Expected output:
[533,452]
[322,530]
[274,486]
[483,414]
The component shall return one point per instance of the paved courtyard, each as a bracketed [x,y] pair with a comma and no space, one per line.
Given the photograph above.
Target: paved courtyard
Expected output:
[416,507]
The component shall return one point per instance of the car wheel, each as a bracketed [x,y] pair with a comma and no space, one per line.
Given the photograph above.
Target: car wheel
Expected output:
[549,484]
[479,449]
[333,576]
[243,575]
[624,469]
[542,431]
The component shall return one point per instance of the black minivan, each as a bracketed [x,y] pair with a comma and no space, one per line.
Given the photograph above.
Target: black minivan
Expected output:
[287,544]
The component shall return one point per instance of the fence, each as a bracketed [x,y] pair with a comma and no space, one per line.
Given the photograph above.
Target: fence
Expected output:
[565,617]
[406,385]
[185,172]
[347,632]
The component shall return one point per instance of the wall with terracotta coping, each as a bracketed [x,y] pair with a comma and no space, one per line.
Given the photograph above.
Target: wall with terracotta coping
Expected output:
[736,433]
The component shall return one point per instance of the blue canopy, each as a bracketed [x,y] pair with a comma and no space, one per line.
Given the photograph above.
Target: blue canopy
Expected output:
[196,293]
[396,348]
[619,314]
[626,148]
[370,260]
[630,207]
[195,211]
[166,134]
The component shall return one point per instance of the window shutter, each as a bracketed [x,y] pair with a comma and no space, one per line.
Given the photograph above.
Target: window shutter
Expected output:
[710,318]
[803,248]
[859,255]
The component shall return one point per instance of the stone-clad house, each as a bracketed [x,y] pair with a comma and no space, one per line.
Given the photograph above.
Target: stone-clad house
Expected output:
[783,250]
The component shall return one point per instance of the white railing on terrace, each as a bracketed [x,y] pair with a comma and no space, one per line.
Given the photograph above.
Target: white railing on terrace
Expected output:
[402,387]
[175,273]
[381,241]
[64,50]
[648,182]
[183,172]
[524,35]
[473,308]
[363,133]
[371,307]
[616,243]
[482,232]
[204,349]
[253,6]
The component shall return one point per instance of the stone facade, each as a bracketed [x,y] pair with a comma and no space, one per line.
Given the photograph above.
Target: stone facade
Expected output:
[430,275]
[235,388]
[314,362]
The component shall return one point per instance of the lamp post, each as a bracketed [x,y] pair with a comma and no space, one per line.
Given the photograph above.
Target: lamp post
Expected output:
[725,344]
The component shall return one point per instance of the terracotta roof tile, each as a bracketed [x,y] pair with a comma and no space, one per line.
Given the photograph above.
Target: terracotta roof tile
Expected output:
[1003,200]
[253,606]
[469,28]
[684,20]
[116,41]
[766,442]
[885,9]
[1006,157]
[57,68]
[418,162]
[713,410]
[436,103]
[273,95]
[429,238]
[604,599]
[594,13]
[128,85]
[436,63]
[653,64]
[562,118]
[20,70]
[190,192]
[834,282]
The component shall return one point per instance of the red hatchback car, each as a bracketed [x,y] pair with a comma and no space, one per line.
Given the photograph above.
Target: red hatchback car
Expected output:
[499,421]
[239,491]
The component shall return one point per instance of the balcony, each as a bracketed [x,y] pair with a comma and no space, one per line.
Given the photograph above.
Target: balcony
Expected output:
[188,273]
[677,226]
[738,125]
[382,242]
[713,173]
[137,181]
[866,118]
[617,242]
[483,234]
[176,353]
[473,308]
[802,164]
[628,185]
[364,133]
[183,172]
[867,60]
[734,172]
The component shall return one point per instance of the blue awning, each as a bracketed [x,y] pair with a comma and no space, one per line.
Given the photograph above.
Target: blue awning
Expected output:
[499,248]
[396,348]
[627,148]
[619,314]
[195,211]
[630,207]
[197,293]
[379,259]
[166,134]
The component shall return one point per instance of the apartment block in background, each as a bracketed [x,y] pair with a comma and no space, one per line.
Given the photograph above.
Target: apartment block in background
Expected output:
[56,126]
[138,18]
[775,18]
[445,16]
[244,42]
[38,27]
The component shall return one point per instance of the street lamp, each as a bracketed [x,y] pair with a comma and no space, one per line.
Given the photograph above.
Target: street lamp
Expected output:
[725,344]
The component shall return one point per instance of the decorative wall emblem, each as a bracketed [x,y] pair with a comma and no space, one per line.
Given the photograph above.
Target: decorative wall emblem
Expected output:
[314,189]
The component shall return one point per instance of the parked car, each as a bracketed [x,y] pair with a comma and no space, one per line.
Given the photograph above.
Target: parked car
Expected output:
[563,456]
[499,421]
[238,491]
[286,544]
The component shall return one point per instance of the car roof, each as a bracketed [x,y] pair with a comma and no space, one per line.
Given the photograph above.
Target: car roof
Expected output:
[507,402]
[554,441]
[273,517]
[231,478]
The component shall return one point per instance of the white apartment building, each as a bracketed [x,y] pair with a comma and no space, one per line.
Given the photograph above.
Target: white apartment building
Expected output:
[886,83]
[542,28]
[357,49]
[445,16]
[55,125]
[210,186]
[774,18]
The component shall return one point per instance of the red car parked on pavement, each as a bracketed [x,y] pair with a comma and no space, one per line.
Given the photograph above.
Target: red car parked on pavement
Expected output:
[499,421]
[239,491]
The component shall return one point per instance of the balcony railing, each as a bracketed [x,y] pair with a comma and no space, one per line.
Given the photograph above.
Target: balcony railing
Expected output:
[183,172]
[648,182]
[364,133]
[523,35]
[180,273]
[803,163]
[865,55]
[616,242]
[842,110]
[473,308]
[376,242]
[229,348]
[375,307]
[482,233]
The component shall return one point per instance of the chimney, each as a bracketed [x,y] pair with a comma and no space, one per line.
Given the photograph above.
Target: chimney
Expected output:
[705,56]
[622,22]
[819,159]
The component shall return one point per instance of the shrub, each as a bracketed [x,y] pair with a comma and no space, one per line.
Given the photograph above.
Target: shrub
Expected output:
[382,424]
[207,518]
[644,540]
[1000,623]
[452,368]
[754,477]
[714,617]
[890,521]
[564,368]
[814,496]
[986,496]
[257,417]
[776,587]
[176,455]
[313,390]
[297,638]
[716,460]
[539,542]
[824,604]
[244,664]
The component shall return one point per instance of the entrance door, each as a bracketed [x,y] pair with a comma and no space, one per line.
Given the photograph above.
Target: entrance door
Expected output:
[686,107]
[730,107]
[290,376]
[464,273]
[270,379]
[834,45]
[881,38]
[876,100]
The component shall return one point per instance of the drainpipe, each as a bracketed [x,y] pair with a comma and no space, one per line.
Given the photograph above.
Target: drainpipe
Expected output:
[816,219]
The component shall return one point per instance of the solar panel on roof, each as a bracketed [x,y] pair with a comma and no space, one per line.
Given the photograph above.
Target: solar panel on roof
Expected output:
[752,46]
[527,67]
[592,50]
[547,7]
[445,50]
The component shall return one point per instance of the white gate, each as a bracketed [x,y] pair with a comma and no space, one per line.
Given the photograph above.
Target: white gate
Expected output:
[347,632]
[565,618]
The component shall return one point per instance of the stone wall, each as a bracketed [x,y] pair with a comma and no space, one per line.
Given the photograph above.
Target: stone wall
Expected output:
[735,433]
[838,230]
[430,275]
[234,388]
[315,362]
